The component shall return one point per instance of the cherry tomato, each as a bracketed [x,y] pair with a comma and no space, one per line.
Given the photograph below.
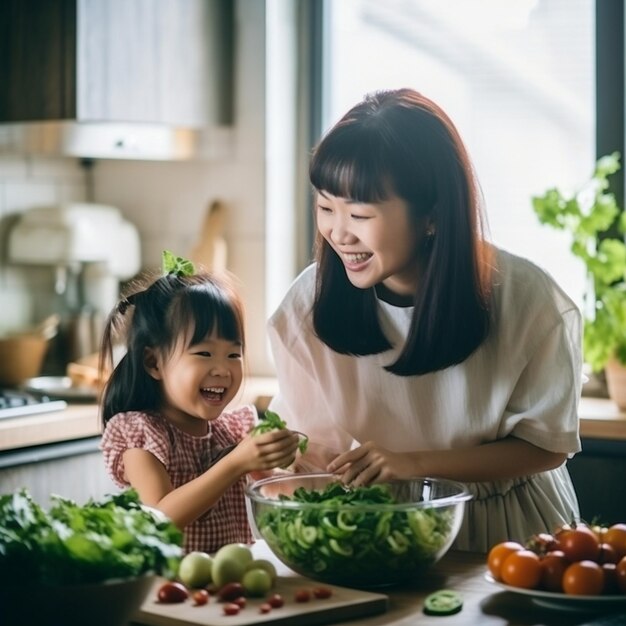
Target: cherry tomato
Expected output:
[610,579]
[321,593]
[230,608]
[620,573]
[615,536]
[240,602]
[521,569]
[266,607]
[607,554]
[230,591]
[542,543]
[498,553]
[200,597]
[302,595]
[584,578]
[553,565]
[171,592]
[275,601]
[579,543]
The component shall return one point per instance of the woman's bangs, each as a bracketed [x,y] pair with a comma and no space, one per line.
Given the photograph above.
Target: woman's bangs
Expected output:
[355,172]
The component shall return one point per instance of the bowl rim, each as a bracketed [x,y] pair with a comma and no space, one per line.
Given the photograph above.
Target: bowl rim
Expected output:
[251,491]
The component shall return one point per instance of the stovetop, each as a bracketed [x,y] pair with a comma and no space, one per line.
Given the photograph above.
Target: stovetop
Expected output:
[16,403]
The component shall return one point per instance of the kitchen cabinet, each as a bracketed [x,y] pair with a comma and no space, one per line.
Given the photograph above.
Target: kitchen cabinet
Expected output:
[73,469]
[597,473]
[156,61]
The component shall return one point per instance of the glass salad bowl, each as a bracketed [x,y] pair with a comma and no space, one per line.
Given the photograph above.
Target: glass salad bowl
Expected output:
[380,535]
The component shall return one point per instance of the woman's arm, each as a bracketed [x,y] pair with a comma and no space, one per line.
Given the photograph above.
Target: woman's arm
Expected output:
[186,503]
[499,460]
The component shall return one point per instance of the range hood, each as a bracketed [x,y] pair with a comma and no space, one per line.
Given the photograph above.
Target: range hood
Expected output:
[108,140]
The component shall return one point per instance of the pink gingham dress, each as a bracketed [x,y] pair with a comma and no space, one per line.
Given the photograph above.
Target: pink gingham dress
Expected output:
[185,457]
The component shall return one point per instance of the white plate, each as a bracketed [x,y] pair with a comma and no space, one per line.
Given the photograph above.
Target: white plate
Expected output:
[562,600]
[60,387]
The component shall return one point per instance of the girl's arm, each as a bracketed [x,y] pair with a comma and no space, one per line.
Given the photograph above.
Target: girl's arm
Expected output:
[186,503]
[499,460]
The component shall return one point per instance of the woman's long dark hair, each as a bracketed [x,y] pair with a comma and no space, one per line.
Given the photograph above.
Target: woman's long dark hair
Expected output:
[400,142]
[157,316]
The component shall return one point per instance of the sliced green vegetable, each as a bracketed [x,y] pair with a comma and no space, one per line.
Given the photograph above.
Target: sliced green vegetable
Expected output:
[272,421]
[363,546]
[443,602]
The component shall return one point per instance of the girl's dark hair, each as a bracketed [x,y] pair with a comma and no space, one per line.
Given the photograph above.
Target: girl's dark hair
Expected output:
[157,316]
[401,143]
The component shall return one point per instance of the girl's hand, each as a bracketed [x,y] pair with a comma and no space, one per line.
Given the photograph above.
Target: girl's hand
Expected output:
[257,452]
[367,464]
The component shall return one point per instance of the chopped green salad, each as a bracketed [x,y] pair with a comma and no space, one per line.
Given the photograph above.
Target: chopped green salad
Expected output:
[116,537]
[361,546]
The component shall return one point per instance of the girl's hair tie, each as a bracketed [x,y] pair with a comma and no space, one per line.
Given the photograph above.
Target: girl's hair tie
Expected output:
[122,305]
[177,265]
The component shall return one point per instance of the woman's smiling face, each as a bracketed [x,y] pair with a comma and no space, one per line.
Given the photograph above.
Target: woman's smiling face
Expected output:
[377,242]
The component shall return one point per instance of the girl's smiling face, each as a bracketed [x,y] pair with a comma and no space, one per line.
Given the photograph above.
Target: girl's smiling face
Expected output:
[377,242]
[197,381]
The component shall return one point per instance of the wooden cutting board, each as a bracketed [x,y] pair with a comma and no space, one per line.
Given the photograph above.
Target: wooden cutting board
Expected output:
[344,604]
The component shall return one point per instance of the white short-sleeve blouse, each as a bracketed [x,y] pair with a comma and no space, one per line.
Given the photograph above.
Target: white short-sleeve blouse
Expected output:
[524,381]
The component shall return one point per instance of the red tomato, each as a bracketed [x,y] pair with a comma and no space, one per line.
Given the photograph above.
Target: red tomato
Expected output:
[553,565]
[521,569]
[584,578]
[498,553]
[171,592]
[615,536]
[542,543]
[266,607]
[579,543]
[620,573]
[610,579]
[607,554]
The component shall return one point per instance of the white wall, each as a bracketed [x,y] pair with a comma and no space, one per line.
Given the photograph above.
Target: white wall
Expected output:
[167,201]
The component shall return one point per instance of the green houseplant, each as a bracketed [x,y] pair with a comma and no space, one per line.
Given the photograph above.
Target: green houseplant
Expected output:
[596,225]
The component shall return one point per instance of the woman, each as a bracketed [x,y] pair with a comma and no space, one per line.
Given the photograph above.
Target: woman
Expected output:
[413,346]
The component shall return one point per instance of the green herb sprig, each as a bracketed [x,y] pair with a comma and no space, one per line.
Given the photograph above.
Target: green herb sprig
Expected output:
[176,265]
[272,421]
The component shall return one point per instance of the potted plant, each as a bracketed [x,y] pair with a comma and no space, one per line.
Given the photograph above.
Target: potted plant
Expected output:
[597,225]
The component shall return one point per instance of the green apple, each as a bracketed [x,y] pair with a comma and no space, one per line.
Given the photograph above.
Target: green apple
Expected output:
[256,582]
[268,566]
[195,570]
[230,562]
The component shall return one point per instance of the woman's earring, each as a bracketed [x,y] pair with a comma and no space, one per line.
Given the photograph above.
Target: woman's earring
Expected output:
[430,232]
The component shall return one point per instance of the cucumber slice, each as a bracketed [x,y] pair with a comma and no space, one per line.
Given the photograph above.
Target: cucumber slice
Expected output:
[443,602]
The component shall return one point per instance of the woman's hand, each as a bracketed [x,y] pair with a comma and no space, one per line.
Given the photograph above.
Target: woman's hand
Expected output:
[258,452]
[369,463]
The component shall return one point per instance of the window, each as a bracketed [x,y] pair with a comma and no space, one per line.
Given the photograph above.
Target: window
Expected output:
[516,77]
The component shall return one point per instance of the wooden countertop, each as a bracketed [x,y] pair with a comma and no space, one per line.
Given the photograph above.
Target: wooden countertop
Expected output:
[599,419]
[484,603]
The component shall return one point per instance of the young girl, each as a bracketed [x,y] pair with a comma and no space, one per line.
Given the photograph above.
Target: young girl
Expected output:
[413,346]
[165,429]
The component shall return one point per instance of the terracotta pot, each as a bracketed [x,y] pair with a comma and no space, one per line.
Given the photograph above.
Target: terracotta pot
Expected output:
[21,357]
[616,382]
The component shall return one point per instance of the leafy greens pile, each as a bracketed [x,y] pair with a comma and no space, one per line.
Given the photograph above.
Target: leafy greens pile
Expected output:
[342,539]
[116,537]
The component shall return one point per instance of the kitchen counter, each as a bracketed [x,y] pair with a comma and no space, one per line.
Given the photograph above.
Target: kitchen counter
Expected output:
[484,603]
[599,419]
